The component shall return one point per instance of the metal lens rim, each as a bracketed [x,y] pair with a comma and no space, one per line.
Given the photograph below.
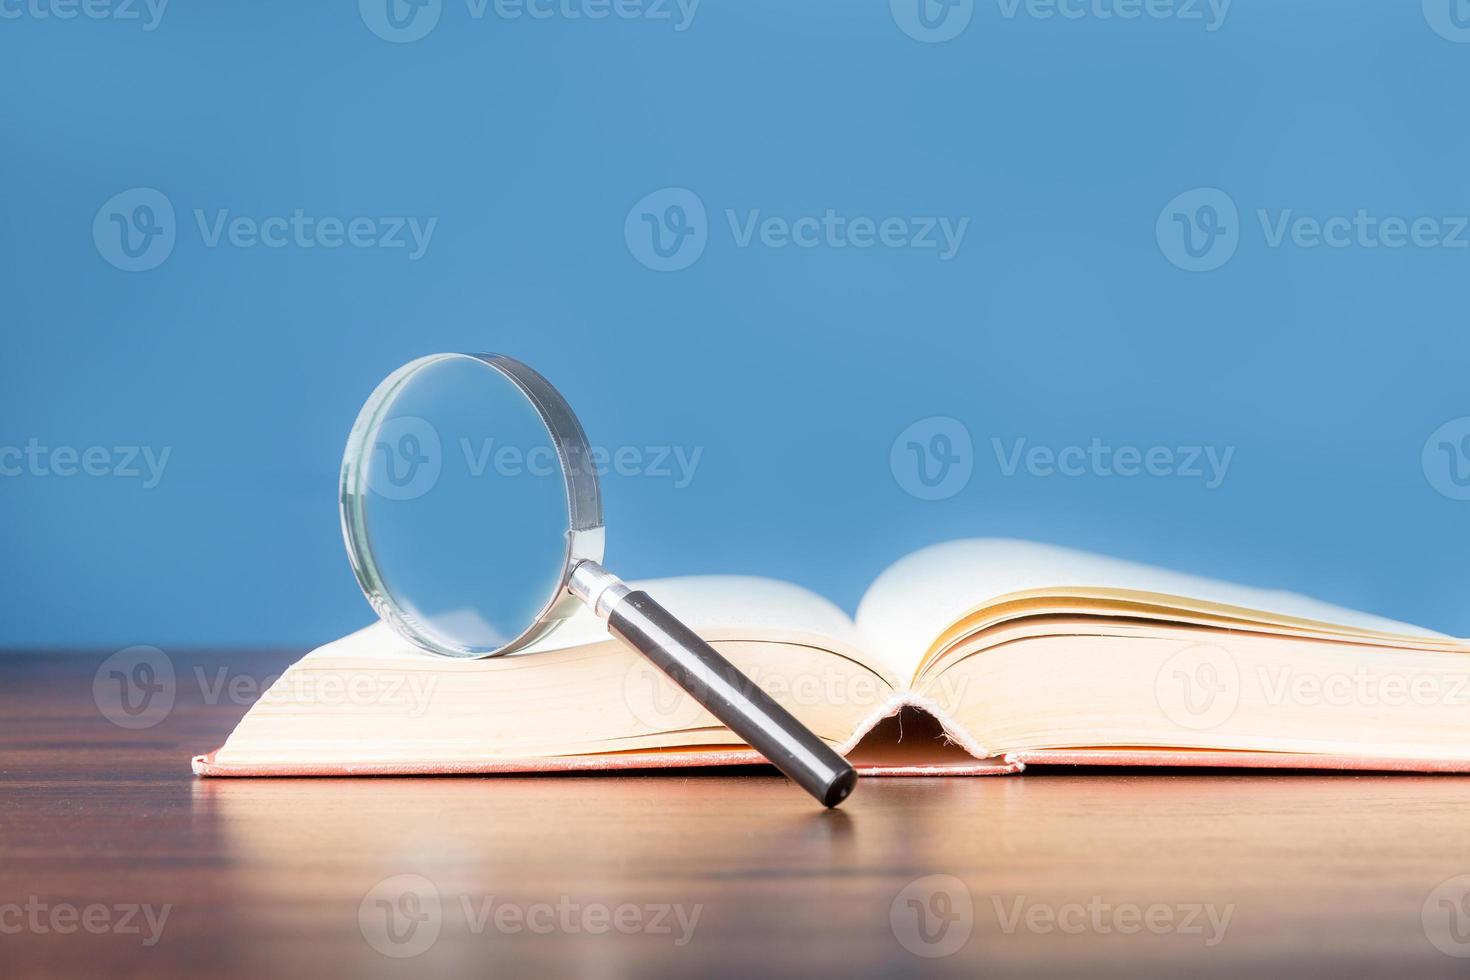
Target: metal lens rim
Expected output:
[584,537]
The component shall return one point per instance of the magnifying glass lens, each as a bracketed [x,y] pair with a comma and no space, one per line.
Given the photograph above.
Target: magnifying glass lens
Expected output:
[474,524]
[455,506]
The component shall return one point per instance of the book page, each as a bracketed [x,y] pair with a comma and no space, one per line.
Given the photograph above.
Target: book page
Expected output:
[1119,684]
[579,692]
[734,607]
[922,595]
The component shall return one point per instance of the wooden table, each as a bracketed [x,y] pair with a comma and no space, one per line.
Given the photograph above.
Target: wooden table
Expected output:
[1112,873]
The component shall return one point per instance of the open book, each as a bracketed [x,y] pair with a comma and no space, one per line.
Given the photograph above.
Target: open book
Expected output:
[971,657]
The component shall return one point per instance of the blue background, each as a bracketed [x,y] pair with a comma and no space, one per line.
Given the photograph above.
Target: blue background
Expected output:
[1059,320]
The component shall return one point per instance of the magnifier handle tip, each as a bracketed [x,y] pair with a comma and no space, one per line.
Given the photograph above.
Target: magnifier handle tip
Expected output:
[733,698]
[841,787]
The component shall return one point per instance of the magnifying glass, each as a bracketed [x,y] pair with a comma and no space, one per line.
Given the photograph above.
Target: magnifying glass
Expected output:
[473,521]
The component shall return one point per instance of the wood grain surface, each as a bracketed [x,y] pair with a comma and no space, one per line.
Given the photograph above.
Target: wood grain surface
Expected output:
[732,873]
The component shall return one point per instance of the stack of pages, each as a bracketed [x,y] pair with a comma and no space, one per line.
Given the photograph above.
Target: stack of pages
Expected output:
[1019,653]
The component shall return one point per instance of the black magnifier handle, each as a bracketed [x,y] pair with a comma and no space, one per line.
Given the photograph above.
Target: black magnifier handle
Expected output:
[717,684]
